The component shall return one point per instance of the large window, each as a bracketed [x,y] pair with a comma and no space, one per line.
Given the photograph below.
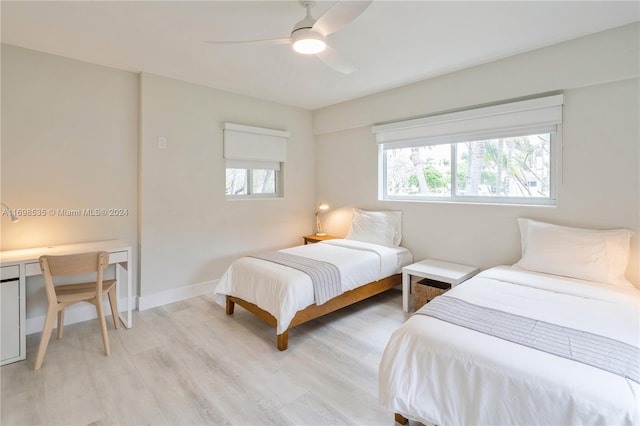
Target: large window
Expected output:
[512,167]
[254,158]
[467,157]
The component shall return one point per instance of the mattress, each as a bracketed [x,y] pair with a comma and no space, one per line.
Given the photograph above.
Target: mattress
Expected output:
[436,372]
[283,291]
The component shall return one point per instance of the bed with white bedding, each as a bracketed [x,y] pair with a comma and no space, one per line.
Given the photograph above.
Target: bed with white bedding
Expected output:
[284,296]
[441,372]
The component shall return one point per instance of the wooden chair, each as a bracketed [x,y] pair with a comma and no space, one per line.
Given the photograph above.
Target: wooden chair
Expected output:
[62,296]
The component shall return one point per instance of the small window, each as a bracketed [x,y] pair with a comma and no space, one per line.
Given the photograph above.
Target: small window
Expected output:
[499,154]
[257,182]
[254,158]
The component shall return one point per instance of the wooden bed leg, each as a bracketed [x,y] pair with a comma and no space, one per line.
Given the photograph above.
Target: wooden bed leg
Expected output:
[230,305]
[401,419]
[283,341]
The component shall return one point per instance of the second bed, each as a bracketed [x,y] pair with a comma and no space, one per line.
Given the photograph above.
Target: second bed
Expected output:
[284,297]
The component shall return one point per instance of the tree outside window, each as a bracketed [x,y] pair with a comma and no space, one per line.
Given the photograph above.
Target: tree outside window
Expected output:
[509,167]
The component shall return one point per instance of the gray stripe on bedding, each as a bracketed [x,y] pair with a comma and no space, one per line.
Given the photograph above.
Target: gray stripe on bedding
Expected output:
[325,276]
[597,351]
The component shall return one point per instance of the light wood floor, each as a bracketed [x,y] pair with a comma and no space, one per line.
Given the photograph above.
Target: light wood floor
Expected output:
[190,364]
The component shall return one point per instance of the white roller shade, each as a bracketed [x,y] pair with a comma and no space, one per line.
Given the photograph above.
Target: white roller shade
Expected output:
[255,144]
[250,164]
[540,115]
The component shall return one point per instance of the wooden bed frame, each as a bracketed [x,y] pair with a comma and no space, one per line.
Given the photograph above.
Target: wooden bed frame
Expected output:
[315,311]
[401,419]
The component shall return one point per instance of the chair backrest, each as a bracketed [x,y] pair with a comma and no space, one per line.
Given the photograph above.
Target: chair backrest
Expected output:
[73,264]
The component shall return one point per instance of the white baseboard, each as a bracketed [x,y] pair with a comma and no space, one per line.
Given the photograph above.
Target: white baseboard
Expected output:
[73,314]
[175,295]
[84,311]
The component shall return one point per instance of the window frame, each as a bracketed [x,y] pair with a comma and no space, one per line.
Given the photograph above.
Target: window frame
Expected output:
[521,118]
[554,153]
[255,148]
[250,195]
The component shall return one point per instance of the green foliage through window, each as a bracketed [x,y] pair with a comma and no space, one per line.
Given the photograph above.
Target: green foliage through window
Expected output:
[510,167]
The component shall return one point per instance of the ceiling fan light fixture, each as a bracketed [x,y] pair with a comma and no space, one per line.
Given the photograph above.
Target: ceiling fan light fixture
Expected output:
[307,41]
[309,46]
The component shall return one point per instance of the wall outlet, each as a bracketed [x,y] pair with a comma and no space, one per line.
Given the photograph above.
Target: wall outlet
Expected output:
[162,142]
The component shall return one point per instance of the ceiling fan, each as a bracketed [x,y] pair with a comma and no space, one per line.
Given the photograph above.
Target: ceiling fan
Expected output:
[308,36]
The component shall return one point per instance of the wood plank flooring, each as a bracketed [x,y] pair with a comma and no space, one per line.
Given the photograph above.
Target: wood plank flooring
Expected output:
[190,364]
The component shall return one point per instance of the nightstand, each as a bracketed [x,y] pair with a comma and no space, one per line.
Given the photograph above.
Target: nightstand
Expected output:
[313,238]
[435,270]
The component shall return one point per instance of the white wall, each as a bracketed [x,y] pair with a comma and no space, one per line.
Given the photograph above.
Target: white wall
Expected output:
[600,186]
[69,141]
[189,232]
[77,135]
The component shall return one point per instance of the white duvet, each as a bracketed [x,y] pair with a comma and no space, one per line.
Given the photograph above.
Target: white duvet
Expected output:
[282,291]
[436,372]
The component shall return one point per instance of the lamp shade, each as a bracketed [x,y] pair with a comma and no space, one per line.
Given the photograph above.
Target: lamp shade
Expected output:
[323,206]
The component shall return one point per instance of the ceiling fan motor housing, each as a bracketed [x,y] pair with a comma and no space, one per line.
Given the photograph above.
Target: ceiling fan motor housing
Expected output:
[305,24]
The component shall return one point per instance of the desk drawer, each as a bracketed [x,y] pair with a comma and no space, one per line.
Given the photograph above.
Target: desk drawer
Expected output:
[118,256]
[32,269]
[9,272]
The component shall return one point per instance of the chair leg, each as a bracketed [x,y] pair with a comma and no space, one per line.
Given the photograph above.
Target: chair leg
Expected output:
[103,326]
[46,334]
[60,323]
[113,302]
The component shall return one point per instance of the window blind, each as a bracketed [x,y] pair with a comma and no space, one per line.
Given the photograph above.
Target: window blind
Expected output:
[539,115]
[252,164]
[254,147]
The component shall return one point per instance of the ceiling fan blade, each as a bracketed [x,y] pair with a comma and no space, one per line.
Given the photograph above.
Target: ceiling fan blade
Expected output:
[340,15]
[254,42]
[334,60]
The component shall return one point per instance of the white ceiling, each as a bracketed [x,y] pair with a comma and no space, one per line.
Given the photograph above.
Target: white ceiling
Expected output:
[391,44]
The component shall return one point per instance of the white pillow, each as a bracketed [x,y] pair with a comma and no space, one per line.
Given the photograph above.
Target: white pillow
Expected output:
[378,227]
[586,254]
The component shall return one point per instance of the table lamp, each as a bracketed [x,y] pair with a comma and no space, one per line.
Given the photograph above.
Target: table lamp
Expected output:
[321,206]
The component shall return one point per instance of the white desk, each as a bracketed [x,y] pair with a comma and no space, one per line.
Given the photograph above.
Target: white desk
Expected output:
[446,272]
[25,263]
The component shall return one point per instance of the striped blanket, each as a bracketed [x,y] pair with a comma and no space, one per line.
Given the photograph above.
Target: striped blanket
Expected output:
[324,276]
[597,351]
